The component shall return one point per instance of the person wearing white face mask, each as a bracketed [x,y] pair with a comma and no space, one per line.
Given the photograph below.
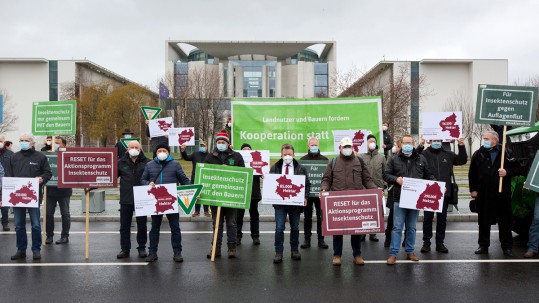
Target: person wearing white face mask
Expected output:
[28,163]
[408,163]
[288,166]
[130,169]
[224,155]
[346,172]
[5,155]
[388,141]
[164,170]
[48,144]
[376,163]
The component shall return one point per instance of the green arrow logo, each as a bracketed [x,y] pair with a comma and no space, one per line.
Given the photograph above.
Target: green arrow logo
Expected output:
[187,195]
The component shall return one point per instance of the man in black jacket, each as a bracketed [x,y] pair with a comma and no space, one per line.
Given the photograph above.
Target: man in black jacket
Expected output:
[441,162]
[28,163]
[223,155]
[5,155]
[388,141]
[256,196]
[196,157]
[130,168]
[313,154]
[408,163]
[288,166]
[492,206]
[61,197]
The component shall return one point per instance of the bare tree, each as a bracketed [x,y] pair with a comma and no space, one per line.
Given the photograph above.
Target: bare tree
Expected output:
[8,115]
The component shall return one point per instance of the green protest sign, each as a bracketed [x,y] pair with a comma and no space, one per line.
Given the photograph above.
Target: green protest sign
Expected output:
[226,186]
[315,172]
[532,180]
[126,141]
[52,118]
[506,105]
[53,163]
[268,123]
[187,195]
[149,112]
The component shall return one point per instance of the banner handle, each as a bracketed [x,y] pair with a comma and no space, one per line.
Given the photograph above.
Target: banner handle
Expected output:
[215,232]
[44,235]
[87,191]
[503,156]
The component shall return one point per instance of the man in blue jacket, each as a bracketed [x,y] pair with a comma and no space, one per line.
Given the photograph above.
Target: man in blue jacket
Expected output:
[163,170]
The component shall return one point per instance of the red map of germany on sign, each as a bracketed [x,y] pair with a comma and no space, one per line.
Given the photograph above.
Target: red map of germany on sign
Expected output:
[165,201]
[185,136]
[430,198]
[359,138]
[285,188]
[23,195]
[163,125]
[257,162]
[450,124]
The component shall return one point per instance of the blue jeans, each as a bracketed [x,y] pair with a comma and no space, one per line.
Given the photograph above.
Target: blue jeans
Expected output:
[175,237]
[280,219]
[355,240]
[533,240]
[5,214]
[401,217]
[19,214]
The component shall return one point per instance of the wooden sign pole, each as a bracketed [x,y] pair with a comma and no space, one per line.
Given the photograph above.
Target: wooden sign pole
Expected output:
[44,235]
[503,156]
[215,232]
[87,191]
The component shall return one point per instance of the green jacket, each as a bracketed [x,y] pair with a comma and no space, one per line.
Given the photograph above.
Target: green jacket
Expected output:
[376,163]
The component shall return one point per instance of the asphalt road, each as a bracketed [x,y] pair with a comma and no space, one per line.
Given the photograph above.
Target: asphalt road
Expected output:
[460,276]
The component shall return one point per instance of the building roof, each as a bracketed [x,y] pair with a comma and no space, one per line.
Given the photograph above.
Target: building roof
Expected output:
[226,49]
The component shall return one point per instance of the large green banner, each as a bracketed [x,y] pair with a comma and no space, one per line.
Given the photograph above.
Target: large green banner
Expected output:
[54,118]
[506,105]
[227,186]
[315,172]
[269,123]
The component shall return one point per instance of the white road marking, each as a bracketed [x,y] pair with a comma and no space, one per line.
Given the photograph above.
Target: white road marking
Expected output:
[460,261]
[245,232]
[71,264]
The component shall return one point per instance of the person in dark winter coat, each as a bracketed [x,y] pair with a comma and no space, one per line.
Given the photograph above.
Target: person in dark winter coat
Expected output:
[492,206]
[256,196]
[223,155]
[441,162]
[60,196]
[389,202]
[196,157]
[313,154]
[130,169]
[5,155]
[408,163]
[119,146]
[388,141]
[287,165]
[164,170]
[28,163]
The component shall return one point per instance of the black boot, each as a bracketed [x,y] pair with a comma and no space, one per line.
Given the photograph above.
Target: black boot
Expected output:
[231,250]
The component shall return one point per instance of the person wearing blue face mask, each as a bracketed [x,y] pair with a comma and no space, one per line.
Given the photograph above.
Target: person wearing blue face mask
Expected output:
[313,154]
[493,207]
[224,155]
[441,162]
[195,158]
[408,163]
[28,163]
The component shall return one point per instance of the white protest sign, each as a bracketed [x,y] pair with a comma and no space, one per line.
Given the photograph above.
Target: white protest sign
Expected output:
[283,189]
[20,192]
[442,125]
[181,135]
[358,137]
[258,160]
[158,200]
[422,194]
[159,127]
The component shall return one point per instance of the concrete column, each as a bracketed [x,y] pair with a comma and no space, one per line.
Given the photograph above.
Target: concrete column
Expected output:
[278,80]
[265,81]
[238,79]
[230,81]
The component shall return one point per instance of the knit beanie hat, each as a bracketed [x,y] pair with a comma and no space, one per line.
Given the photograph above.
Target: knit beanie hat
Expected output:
[162,145]
[222,135]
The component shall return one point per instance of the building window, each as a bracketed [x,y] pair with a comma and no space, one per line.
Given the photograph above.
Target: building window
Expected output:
[321,80]
[53,80]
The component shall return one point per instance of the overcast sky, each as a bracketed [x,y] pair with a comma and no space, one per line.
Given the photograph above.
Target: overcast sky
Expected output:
[128,36]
